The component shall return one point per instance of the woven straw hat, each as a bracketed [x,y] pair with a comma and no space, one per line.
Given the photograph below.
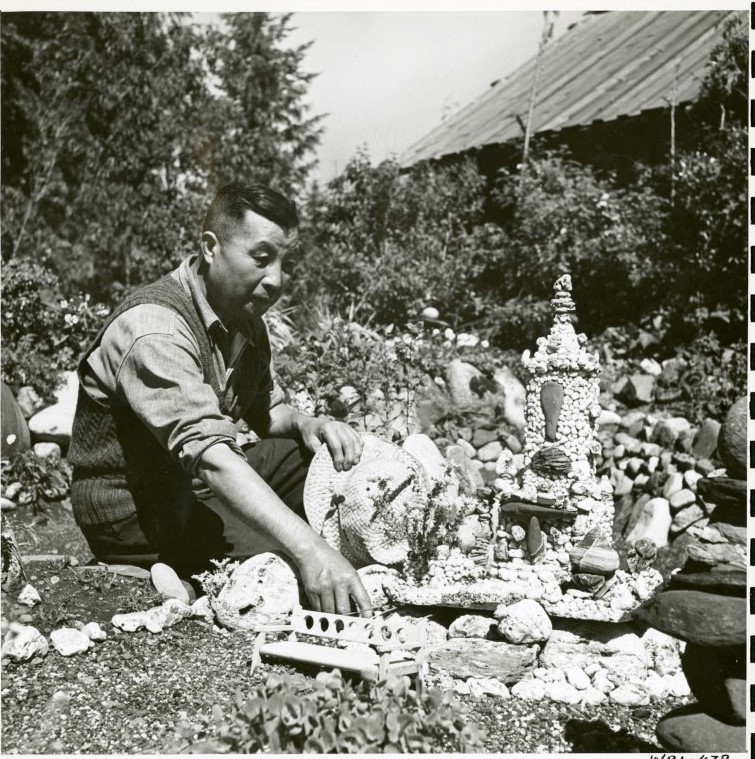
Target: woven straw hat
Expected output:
[364,512]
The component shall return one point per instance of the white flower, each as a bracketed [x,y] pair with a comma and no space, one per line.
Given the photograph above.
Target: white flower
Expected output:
[484,344]
[10,439]
[448,333]
[64,304]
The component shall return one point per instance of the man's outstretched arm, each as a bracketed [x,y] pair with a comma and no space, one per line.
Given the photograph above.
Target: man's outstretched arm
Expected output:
[329,580]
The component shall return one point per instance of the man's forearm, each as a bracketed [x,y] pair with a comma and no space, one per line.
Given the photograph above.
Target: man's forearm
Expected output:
[240,488]
[281,421]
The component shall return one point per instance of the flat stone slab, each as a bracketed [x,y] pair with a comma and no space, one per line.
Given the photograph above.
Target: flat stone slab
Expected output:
[465,657]
[706,619]
[480,595]
[688,728]
[732,582]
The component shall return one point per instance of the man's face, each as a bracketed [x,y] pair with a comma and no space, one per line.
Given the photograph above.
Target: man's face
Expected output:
[247,271]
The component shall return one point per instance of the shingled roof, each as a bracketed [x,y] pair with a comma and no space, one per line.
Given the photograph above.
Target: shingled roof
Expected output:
[607,66]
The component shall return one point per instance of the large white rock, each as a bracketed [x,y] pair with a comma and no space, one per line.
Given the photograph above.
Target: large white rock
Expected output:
[54,424]
[22,642]
[459,376]
[676,684]
[261,591]
[654,523]
[492,687]
[525,622]
[68,641]
[514,395]
[592,696]
[201,609]
[426,452]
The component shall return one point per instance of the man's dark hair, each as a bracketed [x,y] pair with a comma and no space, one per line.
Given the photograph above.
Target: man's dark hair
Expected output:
[233,201]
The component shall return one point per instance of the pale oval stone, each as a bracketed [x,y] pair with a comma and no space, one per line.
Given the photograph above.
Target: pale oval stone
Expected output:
[681,498]
[577,678]
[430,313]
[49,451]
[525,622]
[492,687]
[67,641]
[563,693]
[167,583]
[592,696]
[261,591]
[529,690]
[630,694]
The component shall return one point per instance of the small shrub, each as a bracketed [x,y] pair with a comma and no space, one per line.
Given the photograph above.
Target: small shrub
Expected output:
[214,580]
[43,333]
[40,479]
[338,717]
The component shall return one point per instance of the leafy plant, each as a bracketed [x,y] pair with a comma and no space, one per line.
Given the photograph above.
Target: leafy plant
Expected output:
[43,333]
[40,479]
[339,717]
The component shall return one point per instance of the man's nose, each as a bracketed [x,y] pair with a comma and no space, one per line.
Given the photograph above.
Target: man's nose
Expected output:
[274,277]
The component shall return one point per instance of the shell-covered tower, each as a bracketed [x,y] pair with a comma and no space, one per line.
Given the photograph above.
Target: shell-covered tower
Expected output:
[560,439]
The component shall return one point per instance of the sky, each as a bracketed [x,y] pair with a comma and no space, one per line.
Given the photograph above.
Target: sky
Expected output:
[386,79]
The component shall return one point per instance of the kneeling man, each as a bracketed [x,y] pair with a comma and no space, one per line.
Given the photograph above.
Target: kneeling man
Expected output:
[158,475]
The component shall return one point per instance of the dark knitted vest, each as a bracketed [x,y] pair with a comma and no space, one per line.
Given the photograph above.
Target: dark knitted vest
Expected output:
[119,467]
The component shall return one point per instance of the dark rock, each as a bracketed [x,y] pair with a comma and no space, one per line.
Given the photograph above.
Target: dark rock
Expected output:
[551,400]
[550,461]
[622,513]
[535,541]
[689,728]
[732,440]
[716,677]
[521,509]
[684,461]
[706,440]
[723,491]
[432,404]
[707,619]
[667,431]
[731,582]
[482,437]
[13,427]
[464,658]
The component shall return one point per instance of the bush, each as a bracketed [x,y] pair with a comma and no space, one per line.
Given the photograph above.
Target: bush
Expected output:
[40,480]
[43,333]
[337,718]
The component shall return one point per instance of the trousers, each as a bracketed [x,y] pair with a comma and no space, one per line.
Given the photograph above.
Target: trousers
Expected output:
[209,530]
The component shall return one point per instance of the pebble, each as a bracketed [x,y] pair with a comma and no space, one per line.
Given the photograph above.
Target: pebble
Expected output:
[676,684]
[492,687]
[592,696]
[23,642]
[691,478]
[29,596]
[93,631]
[681,498]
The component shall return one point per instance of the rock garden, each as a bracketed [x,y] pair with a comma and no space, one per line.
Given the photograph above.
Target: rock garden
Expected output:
[573,557]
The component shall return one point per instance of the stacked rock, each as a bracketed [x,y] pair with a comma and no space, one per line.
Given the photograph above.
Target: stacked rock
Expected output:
[704,604]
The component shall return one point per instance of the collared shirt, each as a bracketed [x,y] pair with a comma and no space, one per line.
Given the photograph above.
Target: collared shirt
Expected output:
[149,359]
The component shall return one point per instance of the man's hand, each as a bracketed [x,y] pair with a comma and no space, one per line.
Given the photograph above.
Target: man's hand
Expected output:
[344,443]
[331,582]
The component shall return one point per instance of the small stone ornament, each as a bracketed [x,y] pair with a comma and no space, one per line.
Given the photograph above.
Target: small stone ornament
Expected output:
[594,555]
[551,461]
[536,542]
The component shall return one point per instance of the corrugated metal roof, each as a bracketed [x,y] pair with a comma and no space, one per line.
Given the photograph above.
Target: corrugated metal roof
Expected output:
[607,66]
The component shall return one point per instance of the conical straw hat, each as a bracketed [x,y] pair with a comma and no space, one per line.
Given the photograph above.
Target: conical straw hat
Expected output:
[362,512]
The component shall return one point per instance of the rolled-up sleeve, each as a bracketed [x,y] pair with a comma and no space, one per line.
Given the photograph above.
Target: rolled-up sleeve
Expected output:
[160,377]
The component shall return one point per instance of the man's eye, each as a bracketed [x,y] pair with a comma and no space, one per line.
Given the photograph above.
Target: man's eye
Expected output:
[261,259]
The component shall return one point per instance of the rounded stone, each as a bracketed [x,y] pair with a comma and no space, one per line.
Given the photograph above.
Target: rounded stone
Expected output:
[732,439]
[261,591]
[525,622]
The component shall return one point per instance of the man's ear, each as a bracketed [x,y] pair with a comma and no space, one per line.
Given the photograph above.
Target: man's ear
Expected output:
[209,245]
